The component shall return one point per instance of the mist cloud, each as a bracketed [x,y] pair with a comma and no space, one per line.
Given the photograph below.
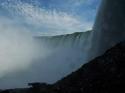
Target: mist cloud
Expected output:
[22,58]
[25,59]
[17,47]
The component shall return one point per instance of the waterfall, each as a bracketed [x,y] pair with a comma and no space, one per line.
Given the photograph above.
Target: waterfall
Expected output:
[109,27]
[55,57]
[76,39]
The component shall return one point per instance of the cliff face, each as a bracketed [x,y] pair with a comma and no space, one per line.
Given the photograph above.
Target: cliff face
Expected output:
[109,27]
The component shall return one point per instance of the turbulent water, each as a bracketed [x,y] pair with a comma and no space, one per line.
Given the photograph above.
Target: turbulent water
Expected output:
[62,55]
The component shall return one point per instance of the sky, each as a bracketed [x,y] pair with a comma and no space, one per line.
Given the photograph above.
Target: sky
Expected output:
[48,17]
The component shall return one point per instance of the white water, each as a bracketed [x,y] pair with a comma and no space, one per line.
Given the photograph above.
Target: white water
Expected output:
[25,59]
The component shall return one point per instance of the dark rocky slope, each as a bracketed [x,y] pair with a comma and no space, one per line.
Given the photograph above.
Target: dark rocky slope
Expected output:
[104,74]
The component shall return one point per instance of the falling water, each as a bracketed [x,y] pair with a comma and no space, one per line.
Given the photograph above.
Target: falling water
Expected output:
[109,28]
